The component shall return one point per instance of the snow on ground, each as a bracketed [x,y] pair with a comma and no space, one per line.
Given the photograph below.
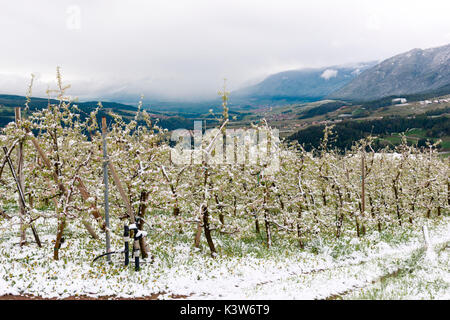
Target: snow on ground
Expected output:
[180,269]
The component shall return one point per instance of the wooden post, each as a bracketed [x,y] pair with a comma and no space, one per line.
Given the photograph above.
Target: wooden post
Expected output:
[47,162]
[448,182]
[21,195]
[430,254]
[363,183]
[18,118]
[126,200]
[85,195]
[105,181]
[363,189]
[62,188]
[122,193]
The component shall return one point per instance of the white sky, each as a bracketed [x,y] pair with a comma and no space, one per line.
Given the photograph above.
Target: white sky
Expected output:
[184,48]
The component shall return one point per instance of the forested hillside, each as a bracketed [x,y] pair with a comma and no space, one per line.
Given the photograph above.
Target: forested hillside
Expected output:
[349,131]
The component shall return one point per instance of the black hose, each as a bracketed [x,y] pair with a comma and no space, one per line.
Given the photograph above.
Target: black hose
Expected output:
[114,252]
[105,254]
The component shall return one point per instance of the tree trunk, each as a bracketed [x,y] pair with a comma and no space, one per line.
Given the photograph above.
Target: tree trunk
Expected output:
[268,231]
[399,217]
[141,213]
[363,191]
[266,220]
[257,228]
[221,216]
[59,234]
[207,230]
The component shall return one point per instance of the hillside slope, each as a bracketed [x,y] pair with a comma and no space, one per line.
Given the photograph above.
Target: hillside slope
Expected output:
[9,102]
[300,85]
[416,71]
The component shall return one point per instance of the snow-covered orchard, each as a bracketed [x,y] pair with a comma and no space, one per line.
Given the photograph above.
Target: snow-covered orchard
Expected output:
[324,225]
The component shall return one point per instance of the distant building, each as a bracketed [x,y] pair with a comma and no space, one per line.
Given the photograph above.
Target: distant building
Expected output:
[399,101]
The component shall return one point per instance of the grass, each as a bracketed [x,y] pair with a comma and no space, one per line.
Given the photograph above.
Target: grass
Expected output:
[244,268]
[416,132]
[419,278]
[414,135]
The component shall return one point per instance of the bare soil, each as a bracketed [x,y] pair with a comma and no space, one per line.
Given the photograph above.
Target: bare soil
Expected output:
[83,297]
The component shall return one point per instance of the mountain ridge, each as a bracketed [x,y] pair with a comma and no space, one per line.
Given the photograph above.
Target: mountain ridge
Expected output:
[303,85]
[416,71]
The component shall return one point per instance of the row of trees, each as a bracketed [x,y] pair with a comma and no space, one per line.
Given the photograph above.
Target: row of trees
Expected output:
[320,192]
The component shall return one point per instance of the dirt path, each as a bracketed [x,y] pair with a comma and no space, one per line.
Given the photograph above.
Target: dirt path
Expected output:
[154,296]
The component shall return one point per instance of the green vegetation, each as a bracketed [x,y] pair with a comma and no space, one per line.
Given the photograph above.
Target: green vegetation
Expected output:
[322,109]
[388,129]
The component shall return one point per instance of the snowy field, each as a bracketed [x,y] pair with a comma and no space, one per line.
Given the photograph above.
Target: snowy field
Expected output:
[392,265]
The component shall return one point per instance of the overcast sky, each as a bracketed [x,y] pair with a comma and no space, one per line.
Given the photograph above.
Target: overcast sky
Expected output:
[184,48]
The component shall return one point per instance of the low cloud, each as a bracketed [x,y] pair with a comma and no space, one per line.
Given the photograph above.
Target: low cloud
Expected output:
[183,49]
[329,73]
